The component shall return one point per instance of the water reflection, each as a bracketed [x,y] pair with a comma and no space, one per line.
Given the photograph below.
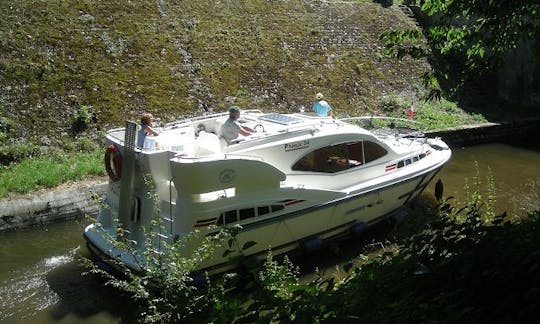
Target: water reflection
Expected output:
[515,172]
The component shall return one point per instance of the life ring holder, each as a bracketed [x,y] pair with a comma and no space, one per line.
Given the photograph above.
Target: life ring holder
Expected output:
[113,162]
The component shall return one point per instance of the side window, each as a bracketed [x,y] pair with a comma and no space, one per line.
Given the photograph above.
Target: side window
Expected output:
[247,213]
[263,210]
[339,157]
[276,208]
[307,163]
[230,216]
[336,158]
[372,151]
[326,159]
[355,153]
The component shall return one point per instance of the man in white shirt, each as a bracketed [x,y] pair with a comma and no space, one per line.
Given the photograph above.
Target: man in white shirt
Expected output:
[231,128]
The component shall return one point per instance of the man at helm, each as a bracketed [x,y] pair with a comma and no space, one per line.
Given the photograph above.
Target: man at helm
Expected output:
[321,107]
[231,128]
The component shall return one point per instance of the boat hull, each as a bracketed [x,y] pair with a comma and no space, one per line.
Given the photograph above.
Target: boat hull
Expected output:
[302,181]
[301,230]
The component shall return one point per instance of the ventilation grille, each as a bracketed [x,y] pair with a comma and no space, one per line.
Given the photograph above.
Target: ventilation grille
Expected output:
[129,136]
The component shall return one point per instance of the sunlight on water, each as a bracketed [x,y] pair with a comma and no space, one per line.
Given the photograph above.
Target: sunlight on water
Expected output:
[27,292]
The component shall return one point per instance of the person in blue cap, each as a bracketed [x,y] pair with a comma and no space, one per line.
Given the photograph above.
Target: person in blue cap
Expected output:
[231,128]
[321,107]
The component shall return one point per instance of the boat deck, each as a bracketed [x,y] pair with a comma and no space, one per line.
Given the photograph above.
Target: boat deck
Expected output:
[198,137]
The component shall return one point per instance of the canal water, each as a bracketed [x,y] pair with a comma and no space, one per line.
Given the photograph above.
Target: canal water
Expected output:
[41,279]
[515,172]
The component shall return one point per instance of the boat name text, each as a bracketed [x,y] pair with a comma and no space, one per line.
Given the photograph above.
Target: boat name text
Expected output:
[296,146]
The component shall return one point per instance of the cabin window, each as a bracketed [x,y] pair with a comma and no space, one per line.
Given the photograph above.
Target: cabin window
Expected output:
[372,151]
[263,210]
[230,216]
[276,208]
[340,157]
[247,213]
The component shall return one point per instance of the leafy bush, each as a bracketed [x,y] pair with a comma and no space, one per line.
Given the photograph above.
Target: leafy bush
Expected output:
[83,118]
[394,105]
[18,152]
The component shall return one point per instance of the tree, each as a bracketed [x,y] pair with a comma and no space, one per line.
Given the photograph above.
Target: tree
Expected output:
[466,40]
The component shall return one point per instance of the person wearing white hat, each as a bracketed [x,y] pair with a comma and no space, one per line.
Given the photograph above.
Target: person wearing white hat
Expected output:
[321,107]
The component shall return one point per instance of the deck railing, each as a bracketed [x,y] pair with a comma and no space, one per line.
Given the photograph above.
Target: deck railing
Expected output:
[381,125]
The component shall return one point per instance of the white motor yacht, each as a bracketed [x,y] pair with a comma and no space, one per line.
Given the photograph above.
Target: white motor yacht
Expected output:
[298,181]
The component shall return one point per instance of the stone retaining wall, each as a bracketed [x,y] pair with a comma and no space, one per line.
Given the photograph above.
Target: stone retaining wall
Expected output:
[70,202]
[488,132]
[81,199]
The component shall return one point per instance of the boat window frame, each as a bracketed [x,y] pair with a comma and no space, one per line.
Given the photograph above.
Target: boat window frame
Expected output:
[271,208]
[226,217]
[343,159]
[245,210]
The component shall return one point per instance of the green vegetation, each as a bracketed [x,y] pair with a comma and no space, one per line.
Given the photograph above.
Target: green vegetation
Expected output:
[172,59]
[49,170]
[434,114]
[469,43]
[463,264]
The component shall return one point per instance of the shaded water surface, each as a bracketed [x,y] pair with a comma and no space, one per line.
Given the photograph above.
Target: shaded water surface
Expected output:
[40,276]
[515,172]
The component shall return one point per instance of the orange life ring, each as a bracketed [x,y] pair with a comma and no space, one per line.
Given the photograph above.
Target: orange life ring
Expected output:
[113,162]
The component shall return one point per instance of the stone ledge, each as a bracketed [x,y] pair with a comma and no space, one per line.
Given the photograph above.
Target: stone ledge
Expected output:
[487,132]
[69,202]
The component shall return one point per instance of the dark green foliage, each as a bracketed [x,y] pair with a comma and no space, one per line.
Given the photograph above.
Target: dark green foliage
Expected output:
[467,40]
[18,152]
[83,118]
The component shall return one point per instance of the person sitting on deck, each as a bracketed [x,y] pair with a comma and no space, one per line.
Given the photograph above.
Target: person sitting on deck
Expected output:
[146,129]
[231,128]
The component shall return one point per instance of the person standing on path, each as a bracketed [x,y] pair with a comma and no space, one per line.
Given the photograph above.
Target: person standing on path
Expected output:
[321,107]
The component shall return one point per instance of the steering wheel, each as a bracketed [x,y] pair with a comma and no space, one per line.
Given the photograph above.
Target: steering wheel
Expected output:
[259,126]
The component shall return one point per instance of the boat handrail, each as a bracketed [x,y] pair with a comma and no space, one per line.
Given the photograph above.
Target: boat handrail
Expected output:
[225,156]
[299,128]
[370,118]
[402,127]
[188,120]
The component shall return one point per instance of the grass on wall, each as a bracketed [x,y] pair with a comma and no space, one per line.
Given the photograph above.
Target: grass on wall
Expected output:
[49,171]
